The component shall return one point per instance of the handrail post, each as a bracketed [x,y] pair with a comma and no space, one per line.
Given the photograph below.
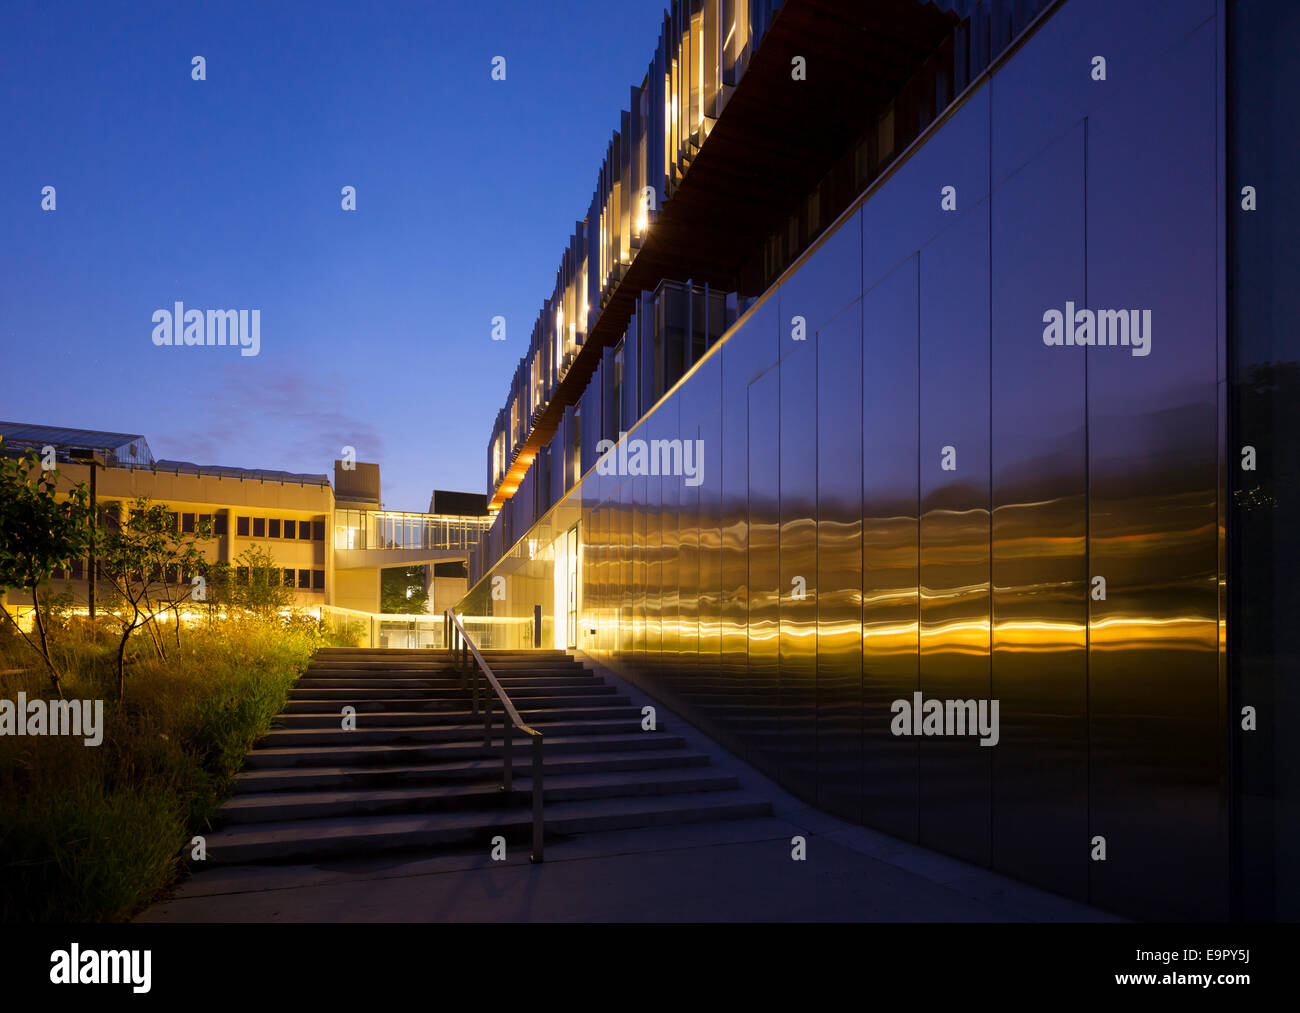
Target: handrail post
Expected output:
[508,773]
[537,798]
[487,720]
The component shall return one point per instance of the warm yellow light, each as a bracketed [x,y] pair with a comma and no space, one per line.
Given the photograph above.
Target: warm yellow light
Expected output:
[699,61]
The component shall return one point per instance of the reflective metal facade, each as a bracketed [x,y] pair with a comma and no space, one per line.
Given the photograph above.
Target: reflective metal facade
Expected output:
[906,490]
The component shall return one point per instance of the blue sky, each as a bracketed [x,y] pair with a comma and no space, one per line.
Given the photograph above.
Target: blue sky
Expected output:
[225,194]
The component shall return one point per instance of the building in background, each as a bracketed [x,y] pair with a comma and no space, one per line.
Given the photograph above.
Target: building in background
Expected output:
[332,542]
[970,313]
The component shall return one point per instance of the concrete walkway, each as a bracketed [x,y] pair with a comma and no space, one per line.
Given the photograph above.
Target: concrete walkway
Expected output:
[727,871]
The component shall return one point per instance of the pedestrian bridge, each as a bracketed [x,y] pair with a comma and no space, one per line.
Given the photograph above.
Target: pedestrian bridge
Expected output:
[367,542]
[366,539]
[416,537]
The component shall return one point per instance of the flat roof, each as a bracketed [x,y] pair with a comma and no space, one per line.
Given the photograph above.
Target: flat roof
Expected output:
[72,437]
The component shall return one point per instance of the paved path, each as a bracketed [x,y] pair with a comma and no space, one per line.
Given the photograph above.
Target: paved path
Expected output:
[733,871]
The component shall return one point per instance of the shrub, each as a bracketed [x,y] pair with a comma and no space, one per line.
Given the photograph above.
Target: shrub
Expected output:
[95,833]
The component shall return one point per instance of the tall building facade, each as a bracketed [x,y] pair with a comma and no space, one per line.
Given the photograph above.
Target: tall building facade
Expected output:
[918,354]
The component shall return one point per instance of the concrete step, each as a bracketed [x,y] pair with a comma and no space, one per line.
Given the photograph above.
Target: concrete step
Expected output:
[458,771]
[349,695]
[445,662]
[443,705]
[445,669]
[363,735]
[301,840]
[274,807]
[439,685]
[517,652]
[390,719]
[356,755]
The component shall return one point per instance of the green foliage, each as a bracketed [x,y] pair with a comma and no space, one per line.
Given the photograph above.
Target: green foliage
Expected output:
[146,559]
[402,591]
[260,587]
[95,833]
[39,533]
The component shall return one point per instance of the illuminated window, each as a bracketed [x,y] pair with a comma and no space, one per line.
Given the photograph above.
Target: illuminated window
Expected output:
[577,445]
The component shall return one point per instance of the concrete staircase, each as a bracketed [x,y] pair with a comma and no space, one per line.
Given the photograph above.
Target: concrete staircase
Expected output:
[415,776]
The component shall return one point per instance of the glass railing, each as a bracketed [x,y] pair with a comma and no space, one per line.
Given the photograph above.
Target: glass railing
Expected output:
[391,529]
[353,628]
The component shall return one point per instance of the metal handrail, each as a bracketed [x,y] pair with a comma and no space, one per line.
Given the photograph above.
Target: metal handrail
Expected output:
[462,647]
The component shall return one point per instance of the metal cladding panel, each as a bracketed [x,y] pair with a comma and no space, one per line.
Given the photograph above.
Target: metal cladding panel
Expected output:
[765,714]
[890,552]
[627,572]
[1157,730]
[670,491]
[798,565]
[640,569]
[955,593]
[652,430]
[687,556]
[839,561]
[734,517]
[1040,613]
[708,380]
[746,355]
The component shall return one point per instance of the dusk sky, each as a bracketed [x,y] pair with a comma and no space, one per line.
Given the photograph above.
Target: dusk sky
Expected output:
[225,194]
